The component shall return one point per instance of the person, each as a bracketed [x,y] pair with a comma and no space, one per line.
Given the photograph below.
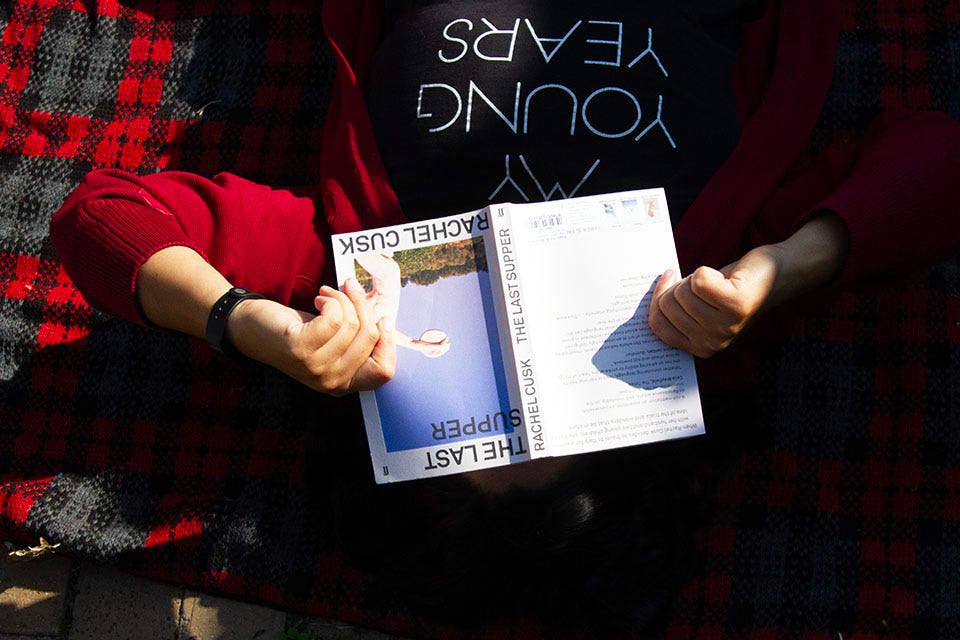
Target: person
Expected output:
[845,210]
[439,107]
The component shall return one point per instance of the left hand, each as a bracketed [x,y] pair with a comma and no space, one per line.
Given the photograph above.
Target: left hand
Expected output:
[708,310]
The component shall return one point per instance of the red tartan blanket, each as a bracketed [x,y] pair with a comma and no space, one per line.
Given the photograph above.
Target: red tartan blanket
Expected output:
[142,449]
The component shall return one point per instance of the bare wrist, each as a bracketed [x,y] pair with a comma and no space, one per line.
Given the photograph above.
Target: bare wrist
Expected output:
[243,328]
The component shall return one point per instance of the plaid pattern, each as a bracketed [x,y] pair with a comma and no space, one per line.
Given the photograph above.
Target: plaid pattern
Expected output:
[140,448]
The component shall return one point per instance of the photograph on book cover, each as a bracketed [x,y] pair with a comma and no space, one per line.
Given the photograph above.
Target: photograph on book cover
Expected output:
[449,389]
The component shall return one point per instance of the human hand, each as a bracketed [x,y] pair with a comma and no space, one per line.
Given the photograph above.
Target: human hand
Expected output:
[709,309]
[337,351]
[706,311]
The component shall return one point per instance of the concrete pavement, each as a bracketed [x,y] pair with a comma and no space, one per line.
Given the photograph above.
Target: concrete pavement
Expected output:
[52,597]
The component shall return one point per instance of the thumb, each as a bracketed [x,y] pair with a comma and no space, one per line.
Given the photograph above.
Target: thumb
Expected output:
[669,278]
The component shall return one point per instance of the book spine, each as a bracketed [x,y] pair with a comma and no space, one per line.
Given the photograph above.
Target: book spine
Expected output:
[515,336]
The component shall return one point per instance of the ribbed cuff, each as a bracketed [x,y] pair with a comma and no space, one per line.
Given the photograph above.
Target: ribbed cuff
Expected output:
[107,242]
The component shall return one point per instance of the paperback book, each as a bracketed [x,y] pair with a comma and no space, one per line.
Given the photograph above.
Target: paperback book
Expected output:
[521,333]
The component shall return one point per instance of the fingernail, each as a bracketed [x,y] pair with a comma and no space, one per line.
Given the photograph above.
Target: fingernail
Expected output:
[351,284]
[386,324]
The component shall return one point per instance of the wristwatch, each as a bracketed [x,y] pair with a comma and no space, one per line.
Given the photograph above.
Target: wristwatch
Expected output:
[217,321]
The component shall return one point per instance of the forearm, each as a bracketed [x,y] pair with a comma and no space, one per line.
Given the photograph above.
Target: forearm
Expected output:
[808,259]
[162,249]
[176,289]
[709,309]
[260,238]
[338,351]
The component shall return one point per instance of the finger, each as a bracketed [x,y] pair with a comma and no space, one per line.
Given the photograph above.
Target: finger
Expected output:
[366,334]
[353,307]
[702,311]
[334,306]
[722,307]
[677,315]
[334,311]
[357,296]
[738,293]
[717,327]
[657,318]
[669,334]
[329,306]
[663,327]
[663,284]
[380,367]
[669,278]
[710,286]
[326,338]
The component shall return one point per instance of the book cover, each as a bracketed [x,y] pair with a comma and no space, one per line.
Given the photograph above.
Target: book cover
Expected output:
[447,409]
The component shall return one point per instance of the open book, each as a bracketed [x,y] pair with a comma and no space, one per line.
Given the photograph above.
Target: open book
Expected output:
[522,333]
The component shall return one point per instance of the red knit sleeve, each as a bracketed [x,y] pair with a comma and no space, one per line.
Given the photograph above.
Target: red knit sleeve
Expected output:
[896,188]
[899,198]
[259,238]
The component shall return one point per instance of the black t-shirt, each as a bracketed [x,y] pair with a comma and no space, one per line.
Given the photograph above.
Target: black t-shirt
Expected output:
[480,101]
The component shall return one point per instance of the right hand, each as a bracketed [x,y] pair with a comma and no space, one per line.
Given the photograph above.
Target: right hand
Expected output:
[337,351]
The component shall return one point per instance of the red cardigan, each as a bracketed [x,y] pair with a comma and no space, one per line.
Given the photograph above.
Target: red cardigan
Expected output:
[895,187]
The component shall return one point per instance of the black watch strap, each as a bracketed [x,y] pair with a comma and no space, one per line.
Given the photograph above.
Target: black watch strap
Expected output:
[217,321]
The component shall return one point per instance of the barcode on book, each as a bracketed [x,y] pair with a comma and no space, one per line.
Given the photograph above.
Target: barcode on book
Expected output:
[542,222]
